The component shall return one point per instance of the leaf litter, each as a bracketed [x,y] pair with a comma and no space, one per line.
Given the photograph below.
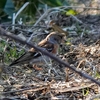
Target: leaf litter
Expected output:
[81,50]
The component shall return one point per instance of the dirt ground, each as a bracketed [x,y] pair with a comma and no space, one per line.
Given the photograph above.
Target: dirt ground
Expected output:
[81,50]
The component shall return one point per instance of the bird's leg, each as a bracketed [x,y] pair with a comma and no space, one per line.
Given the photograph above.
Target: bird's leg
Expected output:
[50,66]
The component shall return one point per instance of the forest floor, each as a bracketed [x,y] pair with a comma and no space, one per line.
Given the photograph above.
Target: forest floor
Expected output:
[81,50]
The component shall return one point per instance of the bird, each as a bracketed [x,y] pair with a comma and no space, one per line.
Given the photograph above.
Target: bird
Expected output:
[50,43]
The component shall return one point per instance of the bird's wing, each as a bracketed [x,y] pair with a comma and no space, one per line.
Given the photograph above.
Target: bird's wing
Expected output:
[40,44]
[31,54]
[25,58]
[45,45]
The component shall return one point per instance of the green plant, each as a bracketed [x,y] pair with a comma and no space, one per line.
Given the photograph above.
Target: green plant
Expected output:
[85,91]
[10,52]
[8,7]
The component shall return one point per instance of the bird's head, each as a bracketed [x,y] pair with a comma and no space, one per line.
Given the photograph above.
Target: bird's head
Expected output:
[56,37]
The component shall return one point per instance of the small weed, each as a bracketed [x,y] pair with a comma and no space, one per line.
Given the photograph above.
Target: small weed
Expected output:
[10,52]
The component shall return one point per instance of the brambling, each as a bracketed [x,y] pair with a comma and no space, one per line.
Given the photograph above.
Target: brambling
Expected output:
[50,43]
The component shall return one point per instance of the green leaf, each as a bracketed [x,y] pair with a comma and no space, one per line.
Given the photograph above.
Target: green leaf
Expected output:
[9,8]
[2,3]
[71,12]
[97,75]
[32,7]
[85,91]
[53,2]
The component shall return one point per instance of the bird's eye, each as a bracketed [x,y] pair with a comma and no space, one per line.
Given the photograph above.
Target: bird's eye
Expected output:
[61,37]
[55,39]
